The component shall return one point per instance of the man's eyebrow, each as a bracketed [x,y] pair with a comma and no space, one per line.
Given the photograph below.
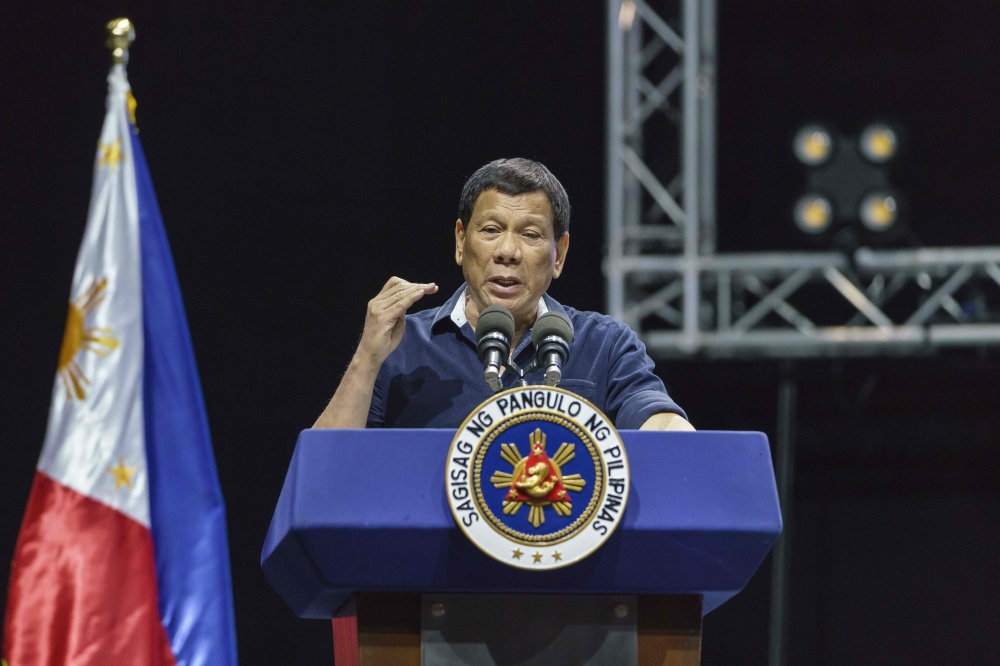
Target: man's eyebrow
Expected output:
[534,219]
[527,218]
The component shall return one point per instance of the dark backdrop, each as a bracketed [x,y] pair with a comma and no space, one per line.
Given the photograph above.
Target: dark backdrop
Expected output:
[304,153]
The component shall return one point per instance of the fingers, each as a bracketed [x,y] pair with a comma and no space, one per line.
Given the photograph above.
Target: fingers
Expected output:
[396,281]
[392,282]
[385,321]
[398,298]
[406,298]
[395,287]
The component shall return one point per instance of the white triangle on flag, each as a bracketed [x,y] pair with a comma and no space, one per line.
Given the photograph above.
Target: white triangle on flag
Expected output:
[95,438]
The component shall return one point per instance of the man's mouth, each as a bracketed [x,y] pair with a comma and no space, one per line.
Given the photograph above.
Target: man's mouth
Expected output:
[505,282]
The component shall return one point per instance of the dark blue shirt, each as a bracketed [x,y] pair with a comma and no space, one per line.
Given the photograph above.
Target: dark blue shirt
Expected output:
[434,379]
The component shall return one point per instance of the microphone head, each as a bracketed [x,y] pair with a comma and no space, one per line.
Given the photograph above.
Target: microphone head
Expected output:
[549,324]
[495,319]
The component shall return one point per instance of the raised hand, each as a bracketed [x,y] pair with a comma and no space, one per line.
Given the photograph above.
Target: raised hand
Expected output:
[385,321]
[384,327]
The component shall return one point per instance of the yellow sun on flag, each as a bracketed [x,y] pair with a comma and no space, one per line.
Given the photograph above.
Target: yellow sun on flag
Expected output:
[80,337]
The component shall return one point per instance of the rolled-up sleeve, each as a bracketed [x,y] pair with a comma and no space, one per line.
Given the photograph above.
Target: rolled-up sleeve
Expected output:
[634,392]
[376,411]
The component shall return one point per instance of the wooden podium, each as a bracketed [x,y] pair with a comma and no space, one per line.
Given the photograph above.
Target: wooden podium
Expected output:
[382,628]
[381,555]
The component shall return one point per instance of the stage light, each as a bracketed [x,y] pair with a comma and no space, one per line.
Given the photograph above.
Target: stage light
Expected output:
[878,143]
[813,214]
[813,145]
[848,187]
[878,211]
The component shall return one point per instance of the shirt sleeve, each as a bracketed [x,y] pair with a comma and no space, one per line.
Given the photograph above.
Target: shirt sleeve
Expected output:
[376,411]
[634,392]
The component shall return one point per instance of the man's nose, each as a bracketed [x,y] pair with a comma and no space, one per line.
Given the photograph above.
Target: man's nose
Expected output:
[508,249]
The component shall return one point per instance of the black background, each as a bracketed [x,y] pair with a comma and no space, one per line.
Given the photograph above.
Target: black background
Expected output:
[303,153]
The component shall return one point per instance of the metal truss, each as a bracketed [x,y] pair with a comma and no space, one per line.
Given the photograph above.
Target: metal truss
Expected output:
[788,305]
[660,142]
[663,276]
[665,280]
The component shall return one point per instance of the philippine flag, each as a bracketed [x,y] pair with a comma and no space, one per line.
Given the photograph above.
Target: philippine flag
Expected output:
[122,557]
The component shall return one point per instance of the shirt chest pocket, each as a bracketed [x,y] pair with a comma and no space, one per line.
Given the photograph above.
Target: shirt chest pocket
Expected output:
[584,388]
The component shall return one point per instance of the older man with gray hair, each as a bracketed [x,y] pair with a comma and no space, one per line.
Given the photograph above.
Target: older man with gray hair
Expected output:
[511,240]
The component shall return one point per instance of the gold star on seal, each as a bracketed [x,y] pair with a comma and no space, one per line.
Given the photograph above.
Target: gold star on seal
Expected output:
[122,474]
[517,554]
[557,556]
[111,154]
[538,557]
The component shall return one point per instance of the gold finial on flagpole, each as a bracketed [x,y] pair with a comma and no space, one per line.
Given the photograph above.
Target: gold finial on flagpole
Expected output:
[121,34]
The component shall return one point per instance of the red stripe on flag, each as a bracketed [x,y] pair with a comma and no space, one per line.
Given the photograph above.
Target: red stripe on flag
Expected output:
[83,586]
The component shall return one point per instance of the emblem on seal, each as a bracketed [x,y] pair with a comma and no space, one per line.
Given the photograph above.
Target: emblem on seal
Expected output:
[537,477]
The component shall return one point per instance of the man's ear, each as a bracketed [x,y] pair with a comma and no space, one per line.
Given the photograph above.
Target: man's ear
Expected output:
[562,247]
[459,240]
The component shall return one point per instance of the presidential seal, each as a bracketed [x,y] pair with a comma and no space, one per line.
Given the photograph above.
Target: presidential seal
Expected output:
[537,477]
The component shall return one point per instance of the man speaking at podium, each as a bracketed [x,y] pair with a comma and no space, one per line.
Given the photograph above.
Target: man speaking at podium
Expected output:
[511,239]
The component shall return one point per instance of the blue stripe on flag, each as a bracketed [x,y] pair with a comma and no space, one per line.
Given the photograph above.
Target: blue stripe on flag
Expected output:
[187,515]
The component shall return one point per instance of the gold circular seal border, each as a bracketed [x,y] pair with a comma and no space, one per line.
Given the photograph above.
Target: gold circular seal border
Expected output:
[474,412]
[600,482]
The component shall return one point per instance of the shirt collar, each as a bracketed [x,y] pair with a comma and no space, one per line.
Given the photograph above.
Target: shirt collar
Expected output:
[454,308]
[458,310]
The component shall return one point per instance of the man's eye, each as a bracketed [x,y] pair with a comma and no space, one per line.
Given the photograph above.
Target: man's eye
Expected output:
[491,230]
[532,234]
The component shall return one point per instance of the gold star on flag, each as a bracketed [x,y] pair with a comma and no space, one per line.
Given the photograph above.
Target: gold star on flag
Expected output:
[538,557]
[122,474]
[517,554]
[111,154]
[131,108]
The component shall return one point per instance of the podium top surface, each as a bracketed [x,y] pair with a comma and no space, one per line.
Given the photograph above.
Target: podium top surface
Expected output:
[366,510]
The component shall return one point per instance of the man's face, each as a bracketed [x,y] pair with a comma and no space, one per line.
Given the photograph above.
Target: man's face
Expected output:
[509,253]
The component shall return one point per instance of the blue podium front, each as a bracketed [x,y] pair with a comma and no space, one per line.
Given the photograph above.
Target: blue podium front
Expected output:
[366,510]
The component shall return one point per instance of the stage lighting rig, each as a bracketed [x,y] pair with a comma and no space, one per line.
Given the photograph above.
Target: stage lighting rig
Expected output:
[847,192]
[851,213]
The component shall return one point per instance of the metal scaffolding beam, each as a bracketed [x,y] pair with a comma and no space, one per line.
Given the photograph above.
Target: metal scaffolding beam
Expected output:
[660,190]
[810,304]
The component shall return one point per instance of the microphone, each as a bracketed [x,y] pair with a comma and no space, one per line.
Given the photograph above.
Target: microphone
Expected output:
[494,331]
[552,335]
